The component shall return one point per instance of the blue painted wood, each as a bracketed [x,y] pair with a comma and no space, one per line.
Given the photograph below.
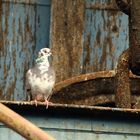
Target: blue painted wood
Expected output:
[105,35]
[25,29]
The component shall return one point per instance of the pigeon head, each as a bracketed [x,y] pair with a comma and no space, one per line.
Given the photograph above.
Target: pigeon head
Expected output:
[43,55]
[45,52]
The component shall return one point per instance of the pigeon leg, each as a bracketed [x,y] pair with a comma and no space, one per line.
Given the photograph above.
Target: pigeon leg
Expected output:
[34,102]
[47,103]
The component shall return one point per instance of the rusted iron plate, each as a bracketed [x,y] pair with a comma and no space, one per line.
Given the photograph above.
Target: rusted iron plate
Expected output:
[67,37]
[123,92]
[93,89]
[83,78]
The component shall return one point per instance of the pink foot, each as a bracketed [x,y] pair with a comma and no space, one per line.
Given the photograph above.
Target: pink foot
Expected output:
[34,102]
[47,103]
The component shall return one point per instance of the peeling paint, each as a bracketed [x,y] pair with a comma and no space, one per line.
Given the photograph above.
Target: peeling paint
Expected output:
[19,43]
[108,29]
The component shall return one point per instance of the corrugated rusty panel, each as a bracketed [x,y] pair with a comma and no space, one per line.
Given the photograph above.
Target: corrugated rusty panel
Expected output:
[95,48]
[24,30]
[67,36]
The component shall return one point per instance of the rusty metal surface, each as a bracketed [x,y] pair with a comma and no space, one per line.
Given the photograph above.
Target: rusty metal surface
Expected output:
[96,88]
[104,37]
[134,28]
[82,78]
[24,30]
[123,89]
[67,37]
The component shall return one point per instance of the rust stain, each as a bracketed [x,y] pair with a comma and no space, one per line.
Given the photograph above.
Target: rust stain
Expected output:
[34,35]
[67,32]
[19,26]
[10,89]
[5,71]
[38,19]
[14,59]
[103,57]
[98,36]
[7,14]
[1,30]
[123,93]
[108,51]
[86,61]
[14,32]
[108,6]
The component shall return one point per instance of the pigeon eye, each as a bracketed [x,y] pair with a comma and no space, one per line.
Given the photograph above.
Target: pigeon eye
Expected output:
[45,51]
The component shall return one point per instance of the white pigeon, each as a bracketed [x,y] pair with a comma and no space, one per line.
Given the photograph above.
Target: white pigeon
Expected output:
[40,79]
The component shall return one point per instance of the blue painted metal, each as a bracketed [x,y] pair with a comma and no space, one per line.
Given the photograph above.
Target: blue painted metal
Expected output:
[105,35]
[80,128]
[25,31]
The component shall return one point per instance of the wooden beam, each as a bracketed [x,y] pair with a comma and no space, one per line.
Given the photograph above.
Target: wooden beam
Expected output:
[21,125]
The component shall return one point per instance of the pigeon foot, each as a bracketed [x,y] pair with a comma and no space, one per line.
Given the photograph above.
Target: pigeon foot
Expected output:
[34,102]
